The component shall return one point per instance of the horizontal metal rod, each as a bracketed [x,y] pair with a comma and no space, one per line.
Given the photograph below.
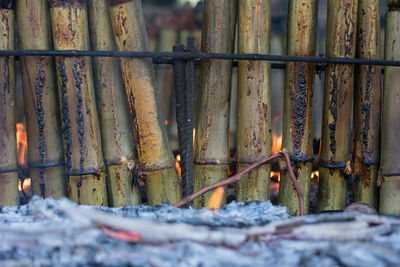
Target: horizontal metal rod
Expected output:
[200,55]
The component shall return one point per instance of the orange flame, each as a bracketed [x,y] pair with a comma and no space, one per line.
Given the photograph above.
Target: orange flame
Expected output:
[22,144]
[22,148]
[166,122]
[216,198]
[177,165]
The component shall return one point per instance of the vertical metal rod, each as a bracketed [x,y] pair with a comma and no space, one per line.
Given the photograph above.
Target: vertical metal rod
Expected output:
[189,117]
[180,86]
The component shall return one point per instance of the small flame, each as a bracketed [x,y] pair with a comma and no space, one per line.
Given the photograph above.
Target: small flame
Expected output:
[22,148]
[22,144]
[315,174]
[216,199]
[276,143]
[194,135]
[177,164]
[166,122]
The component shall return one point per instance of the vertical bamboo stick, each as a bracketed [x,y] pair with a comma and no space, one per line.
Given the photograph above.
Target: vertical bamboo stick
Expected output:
[389,173]
[8,151]
[335,143]
[82,146]
[45,150]
[254,99]
[367,98]
[211,152]
[116,129]
[297,116]
[155,156]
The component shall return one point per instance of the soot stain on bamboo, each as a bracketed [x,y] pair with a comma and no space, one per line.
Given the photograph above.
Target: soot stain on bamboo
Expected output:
[298,98]
[40,82]
[6,85]
[66,3]
[333,111]
[66,119]
[80,120]
[349,31]
[366,113]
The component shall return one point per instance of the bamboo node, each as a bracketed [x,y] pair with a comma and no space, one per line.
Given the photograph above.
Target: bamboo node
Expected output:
[129,163]
[380,180]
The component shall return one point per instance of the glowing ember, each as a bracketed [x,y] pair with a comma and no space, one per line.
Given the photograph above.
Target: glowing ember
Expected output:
[177,165]
[216,198]
[276,143]
[26,185]
[166,122]
[315,174]
[276,175]
[194,134]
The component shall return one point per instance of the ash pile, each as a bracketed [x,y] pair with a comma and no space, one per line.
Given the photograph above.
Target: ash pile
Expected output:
[61,233]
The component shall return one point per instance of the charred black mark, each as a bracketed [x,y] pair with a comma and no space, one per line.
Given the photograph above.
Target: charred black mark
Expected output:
[298,97]
[366,110]
[349,31]
[40,82]
[333,111]
[66,120]
[80,120]
[6,85]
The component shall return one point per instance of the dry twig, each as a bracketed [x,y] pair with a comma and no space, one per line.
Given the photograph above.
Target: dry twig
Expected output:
[235,178]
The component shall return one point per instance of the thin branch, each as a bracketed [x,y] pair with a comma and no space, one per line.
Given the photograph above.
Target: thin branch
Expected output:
[235,178]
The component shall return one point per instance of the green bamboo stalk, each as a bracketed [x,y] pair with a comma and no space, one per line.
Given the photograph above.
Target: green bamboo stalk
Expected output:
[45,150]
[8,152]
[297,115]
[116,129]
[156,160]
[254,138]
[82,146]
[335,143]
[211,151]
[389,172]
[367,98]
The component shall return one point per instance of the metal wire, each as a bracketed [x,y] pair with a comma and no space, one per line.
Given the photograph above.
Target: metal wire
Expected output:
[165,57]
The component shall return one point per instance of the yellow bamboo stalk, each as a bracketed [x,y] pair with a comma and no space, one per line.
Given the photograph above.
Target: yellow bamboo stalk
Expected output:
[156,160]
[297,116]
[389,172]
[82,146]
[116,129]
[211,149]
[254,100]
[45,150]
[367,98]
[8,151]
[335,143]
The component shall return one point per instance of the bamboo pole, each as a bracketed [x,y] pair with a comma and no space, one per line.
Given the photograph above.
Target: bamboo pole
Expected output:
[155,157]
[367,98]
[297,115]
[8,151]
[82,146]
[45,150]
[335,143]
[254,100]
[389,173]
[116,129]
[211,151]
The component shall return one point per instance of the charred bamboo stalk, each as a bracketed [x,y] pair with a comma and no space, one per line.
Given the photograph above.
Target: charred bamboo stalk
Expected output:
[254,100]
[81,133]
[116,128]
[297,115]
[336,124]
[8,152]
[389,173]
[156,160]
[367,98]
[45,150]
[211,151]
